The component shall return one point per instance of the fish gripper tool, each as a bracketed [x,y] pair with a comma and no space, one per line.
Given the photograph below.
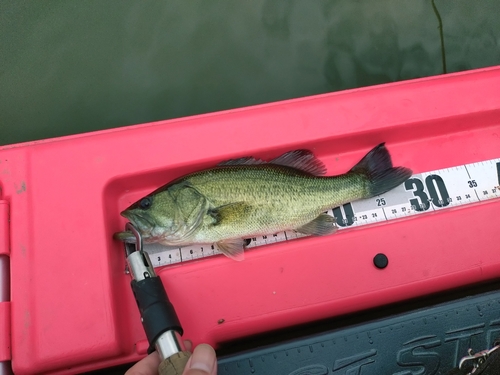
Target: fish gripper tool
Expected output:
[158,316]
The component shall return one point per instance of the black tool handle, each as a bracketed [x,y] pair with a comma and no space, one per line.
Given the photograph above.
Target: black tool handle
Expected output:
[157,313]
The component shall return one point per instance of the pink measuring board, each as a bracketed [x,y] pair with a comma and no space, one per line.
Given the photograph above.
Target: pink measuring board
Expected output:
[71,308]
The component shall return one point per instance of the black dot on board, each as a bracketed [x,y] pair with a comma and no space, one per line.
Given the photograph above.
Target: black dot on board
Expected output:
[380,261]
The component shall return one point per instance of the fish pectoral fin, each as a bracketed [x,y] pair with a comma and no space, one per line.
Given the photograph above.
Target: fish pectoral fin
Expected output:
[229,213]
[321,226]
[233,248]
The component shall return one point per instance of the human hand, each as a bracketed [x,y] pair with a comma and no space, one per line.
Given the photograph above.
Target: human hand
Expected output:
[202,362]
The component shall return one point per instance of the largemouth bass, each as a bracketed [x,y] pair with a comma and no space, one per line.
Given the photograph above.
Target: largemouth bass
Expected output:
[246,197]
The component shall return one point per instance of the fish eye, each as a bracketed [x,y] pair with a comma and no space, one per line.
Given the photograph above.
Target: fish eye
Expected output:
[145,203]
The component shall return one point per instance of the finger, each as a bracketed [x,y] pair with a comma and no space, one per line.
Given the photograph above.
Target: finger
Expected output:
[146,366]
[189,345]
[202,362]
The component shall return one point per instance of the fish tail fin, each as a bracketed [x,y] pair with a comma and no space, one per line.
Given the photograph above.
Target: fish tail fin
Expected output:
[377,167]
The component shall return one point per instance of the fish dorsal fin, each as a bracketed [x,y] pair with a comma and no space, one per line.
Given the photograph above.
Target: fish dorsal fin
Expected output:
[303,160]
[242,161]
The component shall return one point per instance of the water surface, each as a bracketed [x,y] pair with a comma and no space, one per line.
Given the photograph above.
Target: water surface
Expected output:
[77,66]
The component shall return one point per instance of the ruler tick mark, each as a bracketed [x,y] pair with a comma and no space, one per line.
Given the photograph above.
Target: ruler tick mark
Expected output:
[383,210]
[498,172]
[468,174]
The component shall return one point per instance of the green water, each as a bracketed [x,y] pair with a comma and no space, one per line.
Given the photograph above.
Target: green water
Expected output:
[75,66]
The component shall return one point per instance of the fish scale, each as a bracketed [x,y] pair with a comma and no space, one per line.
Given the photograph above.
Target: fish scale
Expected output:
[272,192]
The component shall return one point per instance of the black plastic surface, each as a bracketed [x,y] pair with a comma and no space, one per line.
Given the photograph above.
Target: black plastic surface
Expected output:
[158,314]
[380,261]
[428,341]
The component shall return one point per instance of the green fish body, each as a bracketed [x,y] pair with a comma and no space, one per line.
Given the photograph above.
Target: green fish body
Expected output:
[245,197]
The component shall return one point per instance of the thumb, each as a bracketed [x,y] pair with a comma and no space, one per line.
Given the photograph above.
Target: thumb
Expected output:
[202,362]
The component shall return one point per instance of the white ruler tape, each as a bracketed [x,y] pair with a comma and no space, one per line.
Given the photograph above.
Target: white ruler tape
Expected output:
[424,192]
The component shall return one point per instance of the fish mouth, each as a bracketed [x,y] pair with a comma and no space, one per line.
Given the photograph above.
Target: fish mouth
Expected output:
[125,237]
[138,220]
